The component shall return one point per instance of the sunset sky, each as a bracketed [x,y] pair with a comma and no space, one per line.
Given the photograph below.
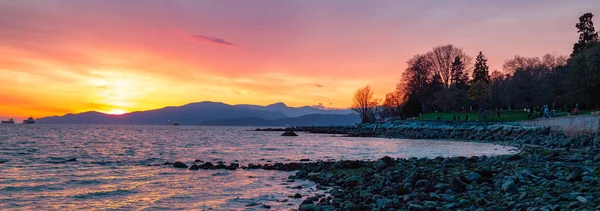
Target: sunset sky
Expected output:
[71,56]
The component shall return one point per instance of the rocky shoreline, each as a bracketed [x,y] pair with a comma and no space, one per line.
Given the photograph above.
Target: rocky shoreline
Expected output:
[552,172]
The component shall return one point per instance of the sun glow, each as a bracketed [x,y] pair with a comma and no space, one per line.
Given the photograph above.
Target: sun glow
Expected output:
[116,112]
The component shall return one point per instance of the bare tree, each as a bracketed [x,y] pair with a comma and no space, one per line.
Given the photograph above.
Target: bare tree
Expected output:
[442,57]
[364,104]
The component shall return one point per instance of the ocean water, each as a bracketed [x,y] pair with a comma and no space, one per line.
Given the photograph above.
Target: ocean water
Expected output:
[114,168]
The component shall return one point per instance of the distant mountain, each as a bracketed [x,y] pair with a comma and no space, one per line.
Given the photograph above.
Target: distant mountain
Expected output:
[307,120]
[297,111]
[190,114]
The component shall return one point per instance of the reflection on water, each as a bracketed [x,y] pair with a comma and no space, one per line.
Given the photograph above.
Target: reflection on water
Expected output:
[110,169]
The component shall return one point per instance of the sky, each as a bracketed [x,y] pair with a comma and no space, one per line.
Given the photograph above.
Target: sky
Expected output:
[72,56]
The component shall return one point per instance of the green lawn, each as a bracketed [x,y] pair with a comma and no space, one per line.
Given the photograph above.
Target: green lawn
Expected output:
[505,116]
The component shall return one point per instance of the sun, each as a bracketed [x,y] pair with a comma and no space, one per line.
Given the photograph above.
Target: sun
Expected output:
[117,112]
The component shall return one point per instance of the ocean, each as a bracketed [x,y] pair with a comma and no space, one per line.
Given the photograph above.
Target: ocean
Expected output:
[113,167]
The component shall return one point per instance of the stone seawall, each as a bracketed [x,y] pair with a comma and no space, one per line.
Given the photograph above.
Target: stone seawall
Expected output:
[572,125]
[514,135]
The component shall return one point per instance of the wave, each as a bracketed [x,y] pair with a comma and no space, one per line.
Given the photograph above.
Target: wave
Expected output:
[97,194]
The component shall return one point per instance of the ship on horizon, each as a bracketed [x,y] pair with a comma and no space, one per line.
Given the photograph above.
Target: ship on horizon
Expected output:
[172,123]
[10,121]
[29,120]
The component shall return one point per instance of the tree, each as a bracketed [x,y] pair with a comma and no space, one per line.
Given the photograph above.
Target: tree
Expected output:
[442,58]
[364,104]
[480,92]
[587,33]
[583,71]
[392,105]
[497,85]
[460,78]
[481,71]
[416,79]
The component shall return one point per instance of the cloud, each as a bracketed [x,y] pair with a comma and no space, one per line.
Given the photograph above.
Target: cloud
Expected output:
[319,85]
[214,40]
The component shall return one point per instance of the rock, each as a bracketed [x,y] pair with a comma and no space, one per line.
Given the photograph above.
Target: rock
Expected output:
[350,206]
[207,165]
[308,207]
[198,161]
[266,206]
[304,159]
[574,176]
[496,208]
[354,180]
[509,187]
[442,186]
[588,179]
[194,167]
[457,185]
[296,196]
[380,164]
[473,177]
[179,165]
[422,183]
[252,204]
[289,133]
[72,160]
[581,199]
[414,207]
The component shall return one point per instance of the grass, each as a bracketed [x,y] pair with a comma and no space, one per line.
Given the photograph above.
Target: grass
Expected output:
[505,116]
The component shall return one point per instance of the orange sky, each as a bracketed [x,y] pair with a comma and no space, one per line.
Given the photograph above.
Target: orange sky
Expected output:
[59,57]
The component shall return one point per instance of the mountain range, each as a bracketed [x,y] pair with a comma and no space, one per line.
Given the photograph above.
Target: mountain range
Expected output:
[216,113]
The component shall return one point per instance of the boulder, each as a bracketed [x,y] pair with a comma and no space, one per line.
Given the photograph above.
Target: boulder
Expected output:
[509,187]
[289,133]
[574,176]
[179,165]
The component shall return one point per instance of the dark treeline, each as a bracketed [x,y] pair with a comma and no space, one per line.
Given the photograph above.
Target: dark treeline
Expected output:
[439,80]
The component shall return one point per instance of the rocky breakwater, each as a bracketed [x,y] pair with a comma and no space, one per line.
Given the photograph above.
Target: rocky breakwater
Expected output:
[534,179]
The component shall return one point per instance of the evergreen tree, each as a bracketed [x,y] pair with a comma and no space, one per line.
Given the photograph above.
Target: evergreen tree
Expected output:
[481,71]
[480,90]
[459,77]
[587,33]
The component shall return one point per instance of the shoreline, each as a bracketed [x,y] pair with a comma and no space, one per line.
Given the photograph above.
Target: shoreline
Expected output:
[553,171]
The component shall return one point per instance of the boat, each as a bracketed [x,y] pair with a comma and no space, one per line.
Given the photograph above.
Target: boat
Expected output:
[172,123]
[29,121]
[10,121]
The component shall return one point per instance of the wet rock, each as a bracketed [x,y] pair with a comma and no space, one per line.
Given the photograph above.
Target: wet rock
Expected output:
[422,183]
[207,165]
[198,161]
[304,159]
[289,133]
[180,165]
[194,167]
[308,207]
[414,207]
[581,199]
[574,176]
[296,196]
[72,160]
[252,204]
[509,186]
[457,185]
[473,177]
[266,206]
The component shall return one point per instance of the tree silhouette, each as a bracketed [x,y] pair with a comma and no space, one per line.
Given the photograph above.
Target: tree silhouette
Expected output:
[364,104]
[587,33]
[481,71]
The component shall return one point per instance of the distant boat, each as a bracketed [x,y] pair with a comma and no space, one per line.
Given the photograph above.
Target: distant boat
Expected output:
[29,121]
[10,121]
[172,123]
